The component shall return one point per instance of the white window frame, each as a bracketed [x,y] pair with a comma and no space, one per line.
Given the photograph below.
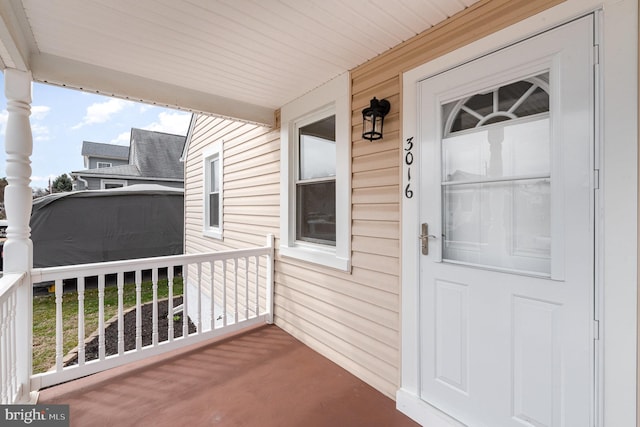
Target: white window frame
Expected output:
[105,182]
[105,165]
[326,100]
[213,151]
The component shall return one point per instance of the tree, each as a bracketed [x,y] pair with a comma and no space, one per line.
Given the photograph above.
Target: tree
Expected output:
[39,192]
[61,184]
[3,184]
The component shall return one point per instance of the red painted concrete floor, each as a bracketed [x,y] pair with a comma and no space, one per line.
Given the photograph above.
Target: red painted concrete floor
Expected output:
[264,377]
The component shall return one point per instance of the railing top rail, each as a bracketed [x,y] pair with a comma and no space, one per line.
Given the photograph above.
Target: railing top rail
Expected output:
[67,271]
[10,281]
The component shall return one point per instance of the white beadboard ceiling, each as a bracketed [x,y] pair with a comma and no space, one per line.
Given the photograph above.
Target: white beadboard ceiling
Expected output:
[234,58]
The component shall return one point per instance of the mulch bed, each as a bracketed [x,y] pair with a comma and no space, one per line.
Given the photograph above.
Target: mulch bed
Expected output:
[111,331]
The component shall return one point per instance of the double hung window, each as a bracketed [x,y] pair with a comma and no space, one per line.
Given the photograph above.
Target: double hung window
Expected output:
[212,221]
[315,176]
[316,182]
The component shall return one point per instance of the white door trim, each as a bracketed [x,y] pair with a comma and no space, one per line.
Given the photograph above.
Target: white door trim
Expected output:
[616,251]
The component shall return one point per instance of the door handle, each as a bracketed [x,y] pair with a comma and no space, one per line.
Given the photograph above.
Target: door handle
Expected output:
[424,238]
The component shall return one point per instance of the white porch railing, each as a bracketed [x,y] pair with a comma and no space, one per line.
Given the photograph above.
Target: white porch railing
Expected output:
[13,346]
[223,292]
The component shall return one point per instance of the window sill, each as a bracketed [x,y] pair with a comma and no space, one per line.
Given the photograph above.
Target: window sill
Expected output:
[215,234]
[316,255]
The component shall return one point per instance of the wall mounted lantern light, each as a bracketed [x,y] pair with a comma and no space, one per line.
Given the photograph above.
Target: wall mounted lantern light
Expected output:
[373,119]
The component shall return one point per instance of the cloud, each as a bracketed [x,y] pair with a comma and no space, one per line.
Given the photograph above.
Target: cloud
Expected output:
[101,112]
[122,139]
[41,181]
[4,115]
[171,122]
[39,132]
[39,112]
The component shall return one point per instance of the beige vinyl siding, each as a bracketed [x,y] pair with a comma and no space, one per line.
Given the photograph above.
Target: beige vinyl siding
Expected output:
[251,191]
[353,317]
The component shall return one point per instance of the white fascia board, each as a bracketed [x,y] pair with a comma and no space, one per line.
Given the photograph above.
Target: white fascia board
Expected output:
[56,70]
[187,142]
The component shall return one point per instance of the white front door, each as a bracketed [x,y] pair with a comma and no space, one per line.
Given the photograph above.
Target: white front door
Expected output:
[506,193]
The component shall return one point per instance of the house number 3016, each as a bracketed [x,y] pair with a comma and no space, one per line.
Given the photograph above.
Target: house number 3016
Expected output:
[408,160]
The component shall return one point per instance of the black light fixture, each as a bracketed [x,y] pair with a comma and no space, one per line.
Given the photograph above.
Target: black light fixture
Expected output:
[373,119]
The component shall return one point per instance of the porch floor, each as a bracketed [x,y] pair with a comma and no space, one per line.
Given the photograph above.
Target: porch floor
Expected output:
[263,377]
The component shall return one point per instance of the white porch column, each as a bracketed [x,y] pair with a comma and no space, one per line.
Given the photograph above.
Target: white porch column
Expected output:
[18,249]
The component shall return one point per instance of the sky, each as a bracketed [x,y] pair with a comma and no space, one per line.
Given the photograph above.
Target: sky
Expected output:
[62,118]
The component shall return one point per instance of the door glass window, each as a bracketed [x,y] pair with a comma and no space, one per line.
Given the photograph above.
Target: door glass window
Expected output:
[496,178]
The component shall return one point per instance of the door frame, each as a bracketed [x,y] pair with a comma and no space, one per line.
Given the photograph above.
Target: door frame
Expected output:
[616,303]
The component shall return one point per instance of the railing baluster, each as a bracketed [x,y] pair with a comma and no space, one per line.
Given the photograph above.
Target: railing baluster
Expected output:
[138,309]
[212,269]
[185,302]
[199,306]
[120,280]
[170,303]
[10,386]
[257,258]
[81,355]
[235,290]
[5,348]
[269,287]
[154,281]
[8,361]
[13,339]
[59,289]
[59,355]
[224,292]
[101,346]
[7,354]
[246,288]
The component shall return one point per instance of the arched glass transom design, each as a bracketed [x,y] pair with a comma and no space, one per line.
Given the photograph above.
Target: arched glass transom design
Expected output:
[520,99]
[496,178]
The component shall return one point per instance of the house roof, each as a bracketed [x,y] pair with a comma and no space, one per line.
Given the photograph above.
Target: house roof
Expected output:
[157,154]
[107,151]
[240,59]
[151,155]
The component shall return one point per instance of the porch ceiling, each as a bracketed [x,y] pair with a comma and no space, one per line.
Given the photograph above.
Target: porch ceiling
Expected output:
[235,58]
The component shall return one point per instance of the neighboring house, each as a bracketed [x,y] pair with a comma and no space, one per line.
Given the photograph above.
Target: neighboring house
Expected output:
[479,262]
[98,155]
[151,158]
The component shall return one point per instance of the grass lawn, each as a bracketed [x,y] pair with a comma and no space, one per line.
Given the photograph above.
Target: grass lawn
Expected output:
[44,317]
